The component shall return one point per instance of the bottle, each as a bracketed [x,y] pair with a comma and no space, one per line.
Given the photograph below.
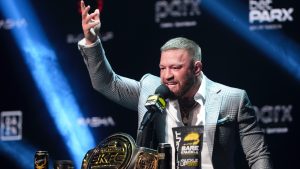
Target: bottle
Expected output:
[63,164]
[164,156]
[41,160]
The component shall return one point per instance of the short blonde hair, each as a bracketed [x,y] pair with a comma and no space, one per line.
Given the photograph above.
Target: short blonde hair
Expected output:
[184,43]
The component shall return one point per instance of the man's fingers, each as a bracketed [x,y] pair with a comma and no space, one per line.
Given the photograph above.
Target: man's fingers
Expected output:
[82,5]
[89,18]
[97,17]
[93,24]
[84,11]
[90,22]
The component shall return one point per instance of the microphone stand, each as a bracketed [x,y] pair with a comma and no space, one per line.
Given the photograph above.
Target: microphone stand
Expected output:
[147,119]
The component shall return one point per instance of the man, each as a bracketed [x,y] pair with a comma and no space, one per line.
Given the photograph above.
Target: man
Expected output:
[229,121]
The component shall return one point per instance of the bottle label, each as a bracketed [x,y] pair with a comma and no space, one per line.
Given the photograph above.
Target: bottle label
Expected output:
[188,145]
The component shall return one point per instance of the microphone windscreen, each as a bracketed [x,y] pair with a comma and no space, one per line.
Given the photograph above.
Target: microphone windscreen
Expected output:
[163,91]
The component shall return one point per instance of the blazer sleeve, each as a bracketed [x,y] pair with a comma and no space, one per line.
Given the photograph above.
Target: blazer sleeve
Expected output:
[252,137]
[119,89]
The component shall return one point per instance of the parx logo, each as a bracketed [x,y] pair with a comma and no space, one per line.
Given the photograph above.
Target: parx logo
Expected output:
[262,12]
[274,114]
[177,13]
[274,118]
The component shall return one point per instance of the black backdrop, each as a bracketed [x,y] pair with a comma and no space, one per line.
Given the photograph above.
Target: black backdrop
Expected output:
[261,57]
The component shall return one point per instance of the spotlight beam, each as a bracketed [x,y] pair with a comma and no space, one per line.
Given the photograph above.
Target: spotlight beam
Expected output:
[49,79]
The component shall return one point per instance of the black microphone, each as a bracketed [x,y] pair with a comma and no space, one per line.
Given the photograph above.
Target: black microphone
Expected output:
[155,104]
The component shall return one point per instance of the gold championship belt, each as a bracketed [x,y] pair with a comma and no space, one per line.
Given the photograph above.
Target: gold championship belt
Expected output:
[119,151]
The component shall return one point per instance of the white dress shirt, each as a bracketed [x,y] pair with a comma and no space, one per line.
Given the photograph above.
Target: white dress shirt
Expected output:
[196,118]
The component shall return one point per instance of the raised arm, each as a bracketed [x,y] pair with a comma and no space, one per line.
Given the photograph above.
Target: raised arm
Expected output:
[120,89]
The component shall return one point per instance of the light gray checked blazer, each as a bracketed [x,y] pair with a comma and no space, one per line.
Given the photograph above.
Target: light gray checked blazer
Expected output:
[231,125]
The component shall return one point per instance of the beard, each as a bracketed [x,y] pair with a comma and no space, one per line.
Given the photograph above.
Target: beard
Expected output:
[184,87]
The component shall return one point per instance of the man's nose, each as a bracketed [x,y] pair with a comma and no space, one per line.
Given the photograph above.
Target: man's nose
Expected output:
[169,75]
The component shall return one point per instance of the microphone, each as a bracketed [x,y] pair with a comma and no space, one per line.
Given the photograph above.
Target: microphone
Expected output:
[155,103]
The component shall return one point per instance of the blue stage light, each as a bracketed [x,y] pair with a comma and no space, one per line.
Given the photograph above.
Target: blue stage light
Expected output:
[22,154]
[49,79]
[276,46]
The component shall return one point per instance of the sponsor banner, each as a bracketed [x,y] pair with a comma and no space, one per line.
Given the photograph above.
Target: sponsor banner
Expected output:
[266,15]
[274,119]
[95,122]
[177,13]
[11,125]
[9,23]
[75,38]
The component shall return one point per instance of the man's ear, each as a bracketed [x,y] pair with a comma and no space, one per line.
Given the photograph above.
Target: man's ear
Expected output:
[197,67]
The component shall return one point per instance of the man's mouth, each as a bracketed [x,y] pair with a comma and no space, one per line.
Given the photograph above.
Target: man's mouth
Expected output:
[170,84]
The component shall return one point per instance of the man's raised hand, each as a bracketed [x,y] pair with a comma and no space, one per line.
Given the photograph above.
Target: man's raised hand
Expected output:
[90,23]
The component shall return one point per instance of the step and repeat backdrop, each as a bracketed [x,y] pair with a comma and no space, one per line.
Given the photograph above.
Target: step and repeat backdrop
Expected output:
[46,98]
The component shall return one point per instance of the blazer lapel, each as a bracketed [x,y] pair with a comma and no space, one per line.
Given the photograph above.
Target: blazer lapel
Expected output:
[212,110]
